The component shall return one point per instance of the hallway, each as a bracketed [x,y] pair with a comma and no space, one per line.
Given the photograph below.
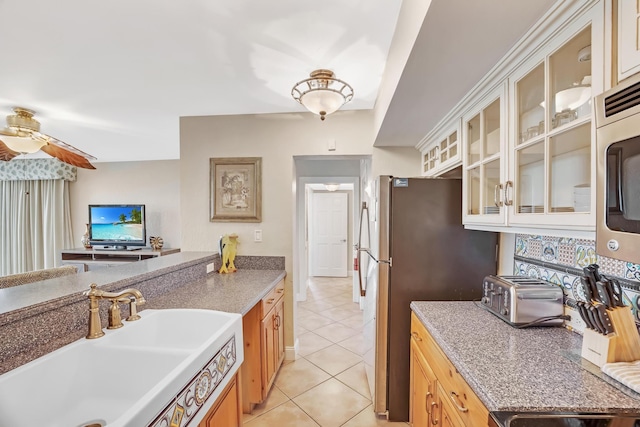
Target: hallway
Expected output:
[326,386]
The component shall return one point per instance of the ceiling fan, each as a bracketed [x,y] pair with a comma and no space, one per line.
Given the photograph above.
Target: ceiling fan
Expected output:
[22,135]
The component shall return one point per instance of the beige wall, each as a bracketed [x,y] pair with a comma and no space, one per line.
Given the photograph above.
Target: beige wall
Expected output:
[277,138]
[156,184]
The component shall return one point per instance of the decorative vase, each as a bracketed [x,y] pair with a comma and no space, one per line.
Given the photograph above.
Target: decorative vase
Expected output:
[85,238]
[156,243]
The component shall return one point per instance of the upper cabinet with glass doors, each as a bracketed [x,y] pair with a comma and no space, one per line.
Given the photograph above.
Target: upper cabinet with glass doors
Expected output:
[551,144]
[442,153]
[484,136]
[539,171]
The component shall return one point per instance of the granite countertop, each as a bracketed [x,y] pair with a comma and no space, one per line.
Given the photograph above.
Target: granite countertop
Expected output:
[234,293]
[521,370]
[43,292]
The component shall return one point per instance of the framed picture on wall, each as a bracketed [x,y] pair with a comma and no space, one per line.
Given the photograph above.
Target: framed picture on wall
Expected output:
[236,189]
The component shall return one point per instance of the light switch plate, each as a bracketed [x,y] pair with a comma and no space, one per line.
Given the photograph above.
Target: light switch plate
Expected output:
[257,235]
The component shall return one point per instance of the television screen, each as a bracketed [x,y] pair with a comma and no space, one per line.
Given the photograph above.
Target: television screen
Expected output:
[119,225]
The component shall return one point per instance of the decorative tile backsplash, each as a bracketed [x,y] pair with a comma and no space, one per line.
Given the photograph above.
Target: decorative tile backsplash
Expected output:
[560,260]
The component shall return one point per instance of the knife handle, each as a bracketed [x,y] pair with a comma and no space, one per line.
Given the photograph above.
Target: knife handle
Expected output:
[604,317]
[595,319]
[604,294]
[588,293]
[582,309]
[616,290]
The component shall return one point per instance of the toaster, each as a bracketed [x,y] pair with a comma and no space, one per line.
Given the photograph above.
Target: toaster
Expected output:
[520,300]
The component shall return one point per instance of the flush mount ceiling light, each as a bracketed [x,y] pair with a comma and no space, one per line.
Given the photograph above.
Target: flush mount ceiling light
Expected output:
[332,187]
[22,136]
[322,93]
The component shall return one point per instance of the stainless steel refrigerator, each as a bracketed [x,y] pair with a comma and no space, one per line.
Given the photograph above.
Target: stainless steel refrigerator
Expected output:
[418,250]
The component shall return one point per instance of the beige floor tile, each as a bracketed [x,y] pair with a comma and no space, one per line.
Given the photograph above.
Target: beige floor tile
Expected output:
[324,406]
[314,321]
[317,306]
[367,418]
[336,332]
[300,330]
[337,313]
[310,343]
[286,415]
[356,379]
[299,376]
[354,322]
[302,312]
[353,307]
[273,400]
[333,359]
[354,344]
[339,299]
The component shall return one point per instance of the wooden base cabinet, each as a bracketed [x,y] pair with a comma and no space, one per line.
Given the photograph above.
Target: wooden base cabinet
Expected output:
[438,392]
[263,331]
[226,411]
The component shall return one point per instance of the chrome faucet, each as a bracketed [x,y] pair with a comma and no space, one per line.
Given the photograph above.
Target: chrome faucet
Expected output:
[132,296]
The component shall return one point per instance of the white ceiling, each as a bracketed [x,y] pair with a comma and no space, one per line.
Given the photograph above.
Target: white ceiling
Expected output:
[112,78]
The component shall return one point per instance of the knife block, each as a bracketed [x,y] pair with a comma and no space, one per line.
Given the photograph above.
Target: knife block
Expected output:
[622,345]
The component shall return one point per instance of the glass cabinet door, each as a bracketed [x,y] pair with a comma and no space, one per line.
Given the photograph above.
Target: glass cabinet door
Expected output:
[483,144]
[553,132]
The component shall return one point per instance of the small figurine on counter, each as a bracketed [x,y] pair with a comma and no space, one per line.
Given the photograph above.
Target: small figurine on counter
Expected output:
[228,244]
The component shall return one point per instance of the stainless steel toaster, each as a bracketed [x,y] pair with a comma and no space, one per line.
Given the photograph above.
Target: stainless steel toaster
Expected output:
[519,300]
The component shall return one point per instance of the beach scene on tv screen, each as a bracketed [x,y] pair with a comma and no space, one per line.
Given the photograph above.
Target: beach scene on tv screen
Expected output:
[116,223]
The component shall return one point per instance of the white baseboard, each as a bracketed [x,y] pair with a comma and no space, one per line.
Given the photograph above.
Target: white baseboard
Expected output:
[291,353]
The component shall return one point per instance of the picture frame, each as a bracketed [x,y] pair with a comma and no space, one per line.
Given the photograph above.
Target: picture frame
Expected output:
[235,189]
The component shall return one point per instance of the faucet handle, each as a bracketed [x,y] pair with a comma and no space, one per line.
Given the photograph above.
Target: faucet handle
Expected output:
[115,320]
[133,307]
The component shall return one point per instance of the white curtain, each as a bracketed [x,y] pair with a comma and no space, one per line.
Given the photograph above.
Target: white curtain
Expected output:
[35,224]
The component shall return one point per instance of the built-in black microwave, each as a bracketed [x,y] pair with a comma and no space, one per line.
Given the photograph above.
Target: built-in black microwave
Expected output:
[618,171]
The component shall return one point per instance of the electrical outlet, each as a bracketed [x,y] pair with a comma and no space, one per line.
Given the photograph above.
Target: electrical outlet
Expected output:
[257,235]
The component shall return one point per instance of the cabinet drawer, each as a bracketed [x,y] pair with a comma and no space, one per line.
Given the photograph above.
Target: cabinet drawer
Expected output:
[468,406]
[272,298]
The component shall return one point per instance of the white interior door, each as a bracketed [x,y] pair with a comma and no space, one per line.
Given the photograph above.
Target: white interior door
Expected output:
[329,234]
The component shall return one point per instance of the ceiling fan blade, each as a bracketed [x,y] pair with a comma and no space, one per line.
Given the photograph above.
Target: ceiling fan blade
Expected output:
[67,156]
[6,153]
[64,152]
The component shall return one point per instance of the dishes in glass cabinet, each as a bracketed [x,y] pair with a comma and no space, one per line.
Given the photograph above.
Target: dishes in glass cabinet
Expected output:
[531,209]
[491,210]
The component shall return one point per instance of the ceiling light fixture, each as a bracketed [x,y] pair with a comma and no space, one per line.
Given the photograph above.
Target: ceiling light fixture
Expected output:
[22,136]
[322,93]
[332,187]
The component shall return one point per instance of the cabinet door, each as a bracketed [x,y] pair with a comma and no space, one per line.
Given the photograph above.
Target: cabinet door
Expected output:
[225,412]
[268,352]
[628,38]
[484,142]
[279,334]
[422,387]
[551,157]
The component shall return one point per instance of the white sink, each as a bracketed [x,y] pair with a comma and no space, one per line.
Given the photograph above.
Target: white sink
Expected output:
[128,377]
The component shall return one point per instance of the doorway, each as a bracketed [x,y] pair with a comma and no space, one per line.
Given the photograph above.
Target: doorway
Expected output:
[328,231]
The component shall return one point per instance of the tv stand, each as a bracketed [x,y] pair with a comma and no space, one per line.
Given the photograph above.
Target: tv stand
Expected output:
[95,258]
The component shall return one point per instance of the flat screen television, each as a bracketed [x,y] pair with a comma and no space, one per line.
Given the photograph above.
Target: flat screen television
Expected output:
[117,227]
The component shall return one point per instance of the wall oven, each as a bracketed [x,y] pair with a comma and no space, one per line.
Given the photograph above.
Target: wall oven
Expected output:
[618,171]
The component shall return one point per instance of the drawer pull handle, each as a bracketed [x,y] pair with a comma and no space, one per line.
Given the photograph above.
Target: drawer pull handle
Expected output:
[416,336]
[270,300]
[280,291]
[434,421]
[455,399]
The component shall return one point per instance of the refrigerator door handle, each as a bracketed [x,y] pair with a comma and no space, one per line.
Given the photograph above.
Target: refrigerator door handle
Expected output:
[364,215]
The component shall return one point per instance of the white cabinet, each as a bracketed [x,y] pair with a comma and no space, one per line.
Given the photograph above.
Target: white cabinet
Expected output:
[628,38]
[484,139]
[442,153]
[529,147]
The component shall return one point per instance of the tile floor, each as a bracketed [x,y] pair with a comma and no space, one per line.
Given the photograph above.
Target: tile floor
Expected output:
[326,386]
